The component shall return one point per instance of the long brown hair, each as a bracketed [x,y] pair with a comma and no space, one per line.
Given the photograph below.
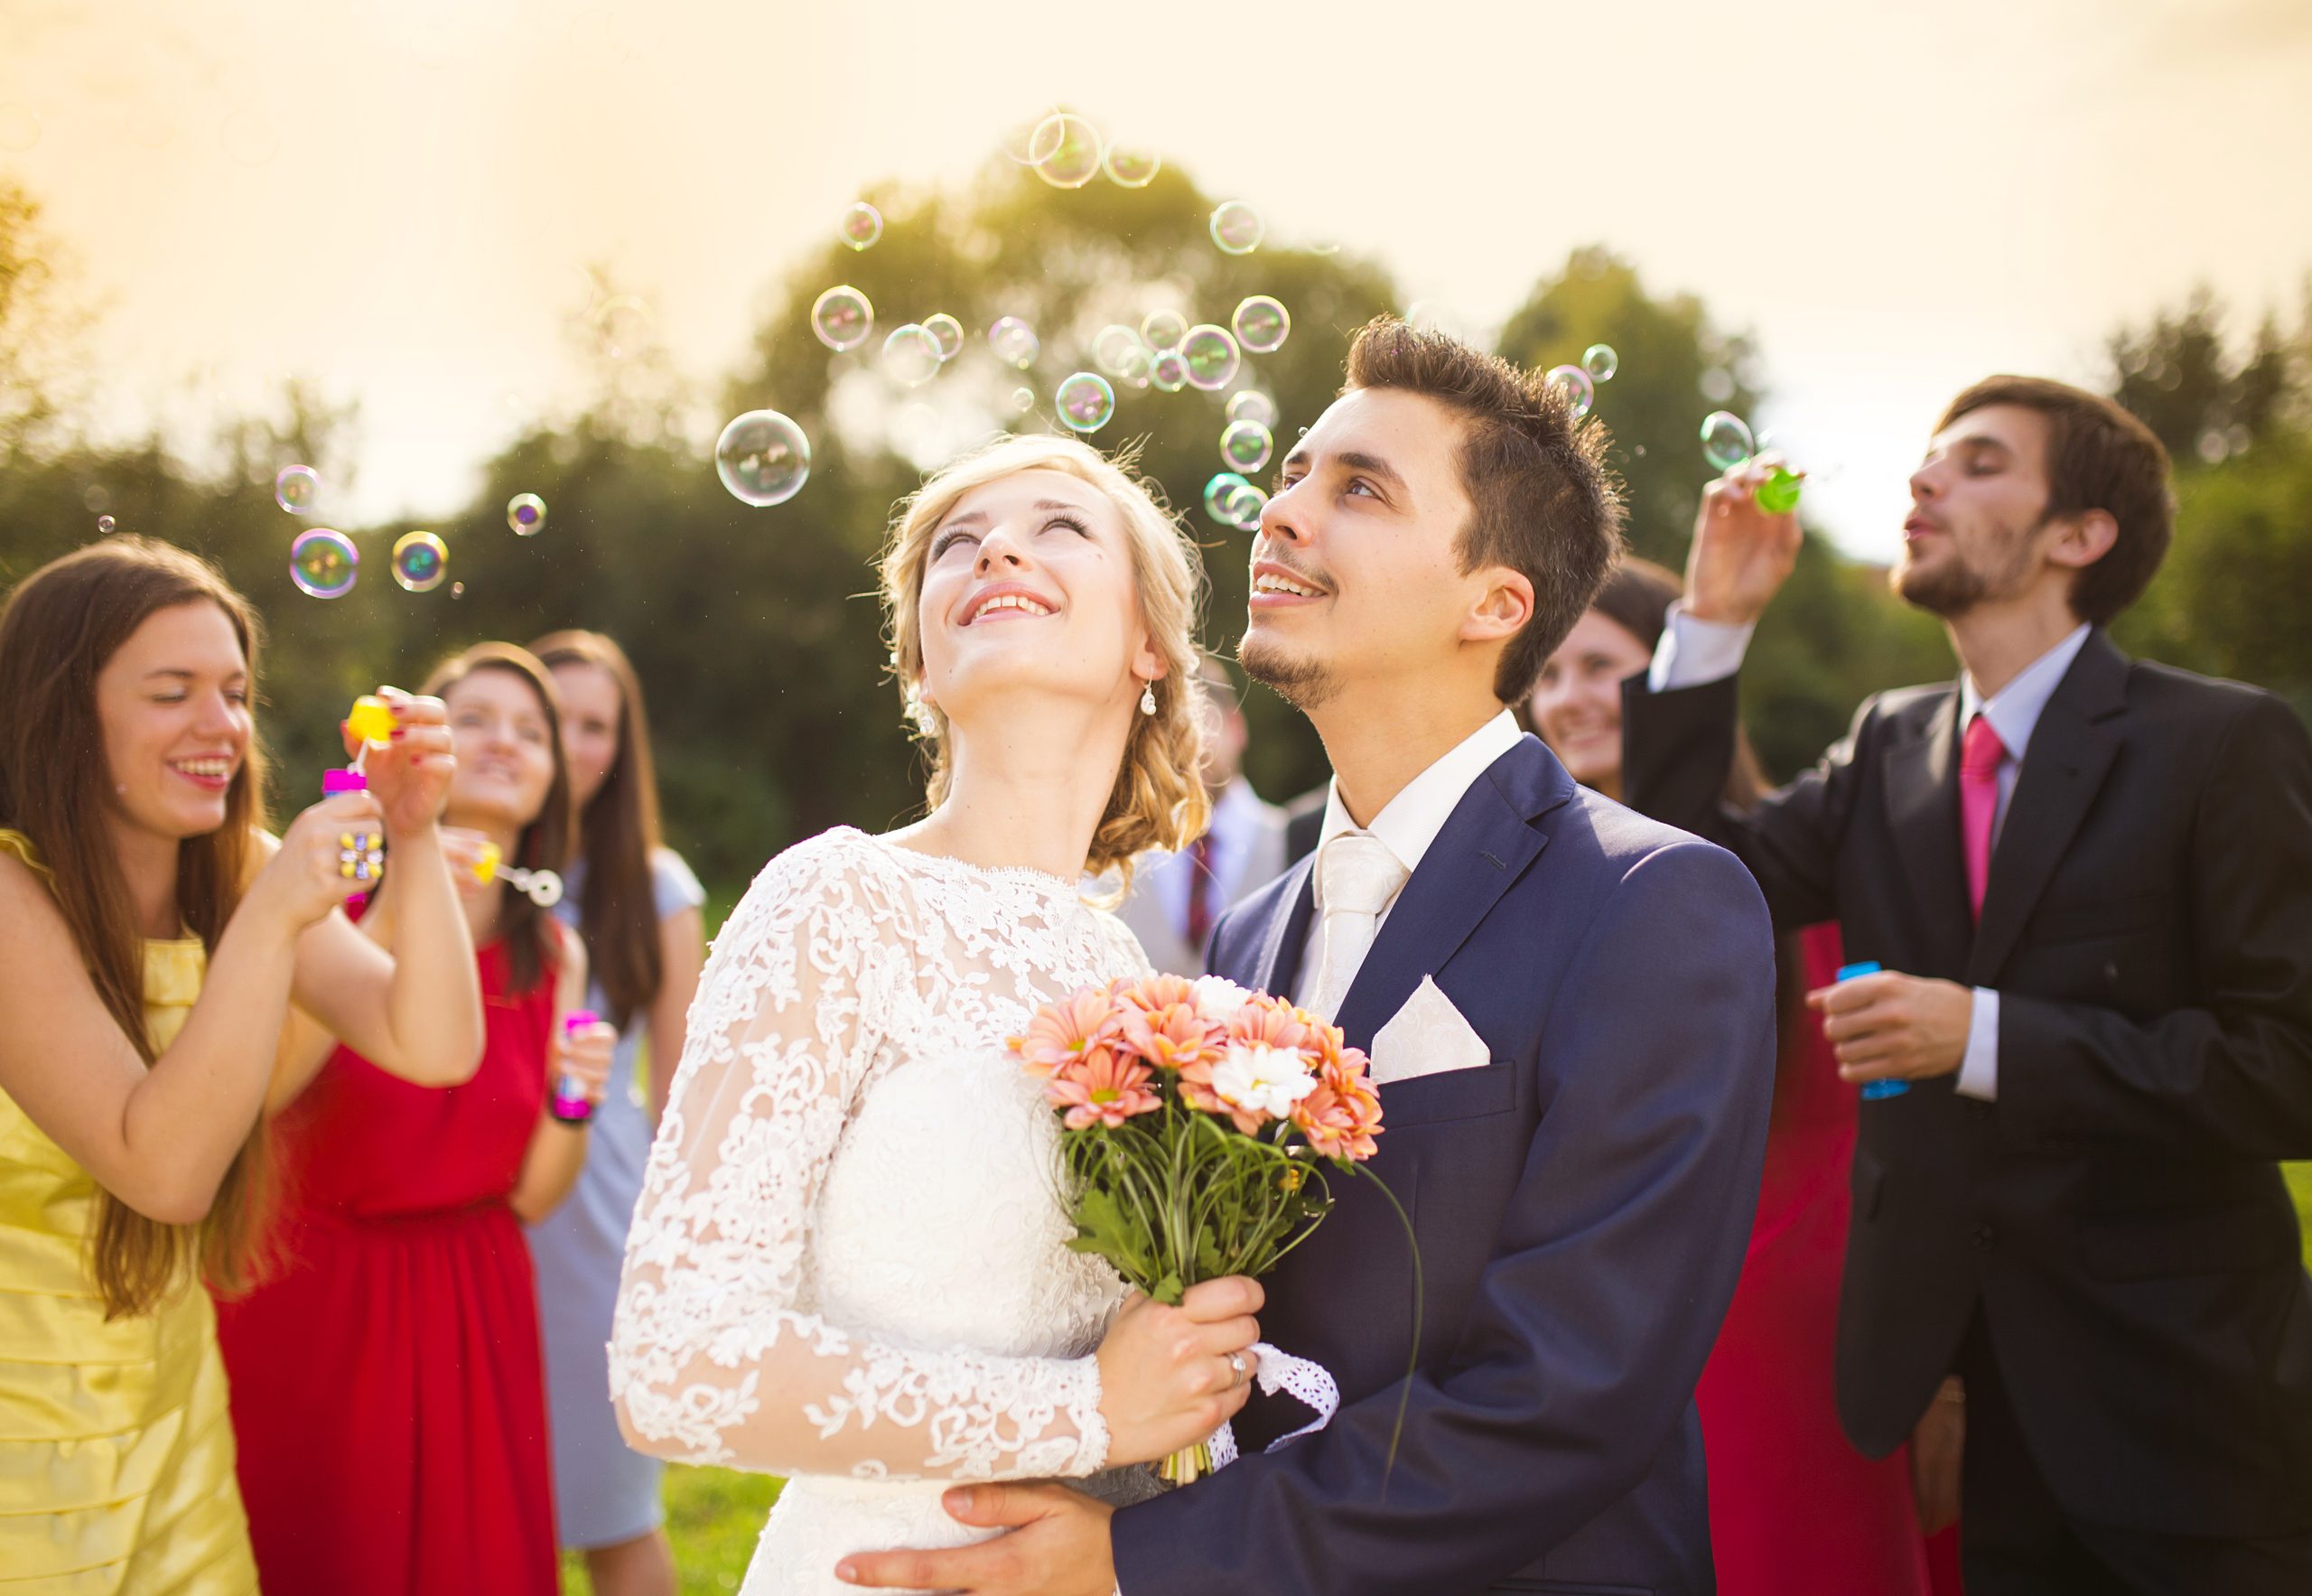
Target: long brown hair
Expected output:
[528,931]
[59,629]
[618,833]
[1636,597]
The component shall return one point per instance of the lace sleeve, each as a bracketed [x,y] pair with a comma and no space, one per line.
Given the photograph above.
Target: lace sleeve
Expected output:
[715,1355]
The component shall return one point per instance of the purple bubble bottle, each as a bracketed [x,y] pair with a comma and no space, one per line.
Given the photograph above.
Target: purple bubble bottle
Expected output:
[569,1104]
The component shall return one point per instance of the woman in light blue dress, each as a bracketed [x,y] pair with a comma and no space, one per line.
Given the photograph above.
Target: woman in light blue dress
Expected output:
[637,906]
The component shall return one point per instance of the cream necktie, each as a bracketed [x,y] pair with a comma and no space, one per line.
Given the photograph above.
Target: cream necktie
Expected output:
[1357,878]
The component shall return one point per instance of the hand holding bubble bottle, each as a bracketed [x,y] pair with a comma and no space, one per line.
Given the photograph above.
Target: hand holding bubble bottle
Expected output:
[1727,443]
[1873,1091]
[582,1067]
[361,854]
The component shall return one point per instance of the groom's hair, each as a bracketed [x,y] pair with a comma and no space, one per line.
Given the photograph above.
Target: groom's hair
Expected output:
[1541,498]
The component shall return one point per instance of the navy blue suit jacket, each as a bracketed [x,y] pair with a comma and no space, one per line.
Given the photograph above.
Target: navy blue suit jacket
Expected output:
[1582,1204]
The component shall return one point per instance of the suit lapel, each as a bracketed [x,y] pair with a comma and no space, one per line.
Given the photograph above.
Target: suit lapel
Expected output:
[2070,752]
[1484,848]
[1921,790]
[1278,966]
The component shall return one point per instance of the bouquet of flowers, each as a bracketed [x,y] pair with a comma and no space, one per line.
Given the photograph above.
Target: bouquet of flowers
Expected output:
[1199,1121]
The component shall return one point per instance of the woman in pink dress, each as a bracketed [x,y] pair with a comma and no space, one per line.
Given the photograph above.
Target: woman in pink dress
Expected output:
[1795,1510]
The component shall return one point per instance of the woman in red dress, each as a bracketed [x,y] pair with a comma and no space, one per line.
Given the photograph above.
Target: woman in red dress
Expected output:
[1795,1510]
[388,1391]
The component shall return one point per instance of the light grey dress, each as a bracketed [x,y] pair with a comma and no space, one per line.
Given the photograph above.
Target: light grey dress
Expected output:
[604,1492]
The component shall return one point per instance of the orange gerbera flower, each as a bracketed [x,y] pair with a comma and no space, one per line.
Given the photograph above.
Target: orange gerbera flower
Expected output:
[1068,1031]
[1103,1087]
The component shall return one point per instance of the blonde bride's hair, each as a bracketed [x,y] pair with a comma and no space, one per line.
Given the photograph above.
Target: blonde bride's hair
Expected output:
[1158,800]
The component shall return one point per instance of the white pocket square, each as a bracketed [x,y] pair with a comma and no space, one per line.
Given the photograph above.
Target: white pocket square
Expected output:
[1427,1036]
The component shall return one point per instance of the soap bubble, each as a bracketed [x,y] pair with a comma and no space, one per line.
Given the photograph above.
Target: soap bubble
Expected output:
[1574,383]
[841,317]
[1600,361]
[862,225]
[526,513]
[1085,402]
[1065,151]
[1113,345]
[622,325]
[911,354]
[1726,440]
[1134,367]
[1252,405]
[457,590]
[1237,227]
[1245,445]
[1133,166]
[763,458]
[323,564]
[1261,325]
[1014,341]
[1211,355]
[420,561]
[947,333]
[1164,330]
[297,488]
[1168,370]
[105,523]
[1023,399]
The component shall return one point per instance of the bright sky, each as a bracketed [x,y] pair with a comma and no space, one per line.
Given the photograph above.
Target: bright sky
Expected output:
[396,201]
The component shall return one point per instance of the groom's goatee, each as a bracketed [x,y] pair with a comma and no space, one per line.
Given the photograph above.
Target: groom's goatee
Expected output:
[1302,683]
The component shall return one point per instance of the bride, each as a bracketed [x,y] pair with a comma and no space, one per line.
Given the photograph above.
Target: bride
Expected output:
[849,1266]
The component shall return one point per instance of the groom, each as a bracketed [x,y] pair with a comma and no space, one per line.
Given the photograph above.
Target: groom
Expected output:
[1569,1012]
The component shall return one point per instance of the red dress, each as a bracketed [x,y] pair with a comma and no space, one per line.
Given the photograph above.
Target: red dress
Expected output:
[1795,1510]
[388,1388]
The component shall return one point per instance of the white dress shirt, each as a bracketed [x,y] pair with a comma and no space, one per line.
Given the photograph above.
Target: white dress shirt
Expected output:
[1692,652]
[1410,821]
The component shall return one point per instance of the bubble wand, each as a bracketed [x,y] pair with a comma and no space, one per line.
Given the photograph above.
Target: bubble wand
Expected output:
[541,887]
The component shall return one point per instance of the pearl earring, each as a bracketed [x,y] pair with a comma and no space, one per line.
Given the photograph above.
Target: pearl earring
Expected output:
[1148,699]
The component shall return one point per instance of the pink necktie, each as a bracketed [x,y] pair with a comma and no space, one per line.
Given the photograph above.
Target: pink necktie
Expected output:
[1978,757]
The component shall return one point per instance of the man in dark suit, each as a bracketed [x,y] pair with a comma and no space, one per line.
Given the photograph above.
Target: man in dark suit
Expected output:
[1569,1010]
[2089,880]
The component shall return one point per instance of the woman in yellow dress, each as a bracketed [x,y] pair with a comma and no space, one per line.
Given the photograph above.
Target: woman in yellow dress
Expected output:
[157,949]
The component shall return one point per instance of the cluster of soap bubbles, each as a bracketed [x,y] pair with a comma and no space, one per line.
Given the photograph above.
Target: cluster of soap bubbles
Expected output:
[1233,501]
[1067,152]
[763,458]
[1579,384]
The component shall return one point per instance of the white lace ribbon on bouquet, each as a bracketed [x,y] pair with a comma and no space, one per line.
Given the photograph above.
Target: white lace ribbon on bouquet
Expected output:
[1312,1383]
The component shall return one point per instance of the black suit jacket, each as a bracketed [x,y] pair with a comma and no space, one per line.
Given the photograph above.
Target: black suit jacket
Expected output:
[2116,1212]
[1582,1204]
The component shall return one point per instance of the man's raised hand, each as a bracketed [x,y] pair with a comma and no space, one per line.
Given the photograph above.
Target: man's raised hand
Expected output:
[1741,554]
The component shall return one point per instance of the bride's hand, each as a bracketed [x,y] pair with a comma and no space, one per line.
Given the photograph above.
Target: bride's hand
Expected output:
[1166,1381]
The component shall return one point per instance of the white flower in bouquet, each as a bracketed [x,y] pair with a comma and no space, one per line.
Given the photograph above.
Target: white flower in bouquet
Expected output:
[1255,1076]
[1217,998]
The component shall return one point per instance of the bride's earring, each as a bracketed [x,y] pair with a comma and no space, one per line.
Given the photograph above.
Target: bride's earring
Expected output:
[1148,699]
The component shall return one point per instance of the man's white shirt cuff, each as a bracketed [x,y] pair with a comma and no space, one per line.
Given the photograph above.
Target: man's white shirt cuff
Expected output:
[1692,652]
[1979,1070]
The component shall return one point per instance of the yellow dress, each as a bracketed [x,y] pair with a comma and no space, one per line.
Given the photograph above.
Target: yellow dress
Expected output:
[115,1449]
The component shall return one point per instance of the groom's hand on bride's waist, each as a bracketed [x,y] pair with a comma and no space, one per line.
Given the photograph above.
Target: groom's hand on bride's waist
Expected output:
[1058,1546]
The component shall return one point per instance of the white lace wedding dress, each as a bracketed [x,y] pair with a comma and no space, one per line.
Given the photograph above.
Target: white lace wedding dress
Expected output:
[849,1262]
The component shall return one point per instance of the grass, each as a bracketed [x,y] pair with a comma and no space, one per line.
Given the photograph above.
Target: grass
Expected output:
[713,1517]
